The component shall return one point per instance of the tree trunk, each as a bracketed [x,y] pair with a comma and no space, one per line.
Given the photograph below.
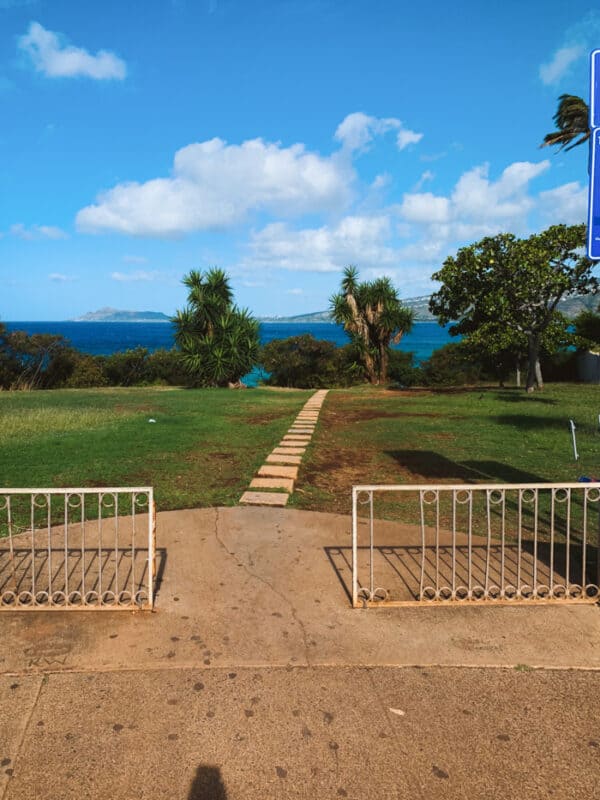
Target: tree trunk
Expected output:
[370,368]
[538,375]
[383,363]
[518,370]
[534,372]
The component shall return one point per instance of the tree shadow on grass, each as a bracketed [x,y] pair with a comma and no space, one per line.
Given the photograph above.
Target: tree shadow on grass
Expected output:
[530,422]
[520,396]
[434,466]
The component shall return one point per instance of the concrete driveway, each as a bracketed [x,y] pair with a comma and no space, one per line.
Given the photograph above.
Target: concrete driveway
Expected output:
[254,678]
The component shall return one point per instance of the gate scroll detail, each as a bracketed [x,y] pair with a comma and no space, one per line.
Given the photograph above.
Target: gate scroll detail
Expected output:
[502,543]
[77,549]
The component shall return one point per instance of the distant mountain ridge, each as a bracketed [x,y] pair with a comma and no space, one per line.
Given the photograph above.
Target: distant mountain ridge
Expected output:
[569,306]
[114,315]
[420,306]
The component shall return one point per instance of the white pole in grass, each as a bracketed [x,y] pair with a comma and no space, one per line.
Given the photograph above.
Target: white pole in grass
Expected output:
[575,453]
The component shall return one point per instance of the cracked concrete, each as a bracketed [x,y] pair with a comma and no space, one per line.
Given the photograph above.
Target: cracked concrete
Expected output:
[256,674]
[258,586]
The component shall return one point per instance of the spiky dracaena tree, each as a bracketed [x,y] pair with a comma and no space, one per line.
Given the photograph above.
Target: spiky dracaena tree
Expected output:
[373,317]
[218,341]
[572,120]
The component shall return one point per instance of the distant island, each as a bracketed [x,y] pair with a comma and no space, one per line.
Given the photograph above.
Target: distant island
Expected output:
[420,305]
[114,315]
[569,306]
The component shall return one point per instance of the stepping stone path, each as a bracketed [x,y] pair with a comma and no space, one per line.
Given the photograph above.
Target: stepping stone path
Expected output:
[277,473]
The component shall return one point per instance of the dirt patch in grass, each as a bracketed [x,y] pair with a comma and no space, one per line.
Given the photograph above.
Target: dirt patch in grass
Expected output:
[366,415]
[146,408]
[203,456]
[264,419]
[336,471]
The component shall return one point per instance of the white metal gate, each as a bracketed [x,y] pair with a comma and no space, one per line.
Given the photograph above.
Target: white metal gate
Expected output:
[77,549]
[475,543]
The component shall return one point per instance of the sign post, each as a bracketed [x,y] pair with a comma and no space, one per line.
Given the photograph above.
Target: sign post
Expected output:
[593,244]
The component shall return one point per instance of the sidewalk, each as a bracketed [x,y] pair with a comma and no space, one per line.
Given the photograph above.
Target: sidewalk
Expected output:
[255,678]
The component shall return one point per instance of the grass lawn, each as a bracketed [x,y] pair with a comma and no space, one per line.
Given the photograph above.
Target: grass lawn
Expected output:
[371,436]
[206,445]
[203,449]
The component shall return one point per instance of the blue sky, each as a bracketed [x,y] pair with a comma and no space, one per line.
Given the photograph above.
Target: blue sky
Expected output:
[278,139]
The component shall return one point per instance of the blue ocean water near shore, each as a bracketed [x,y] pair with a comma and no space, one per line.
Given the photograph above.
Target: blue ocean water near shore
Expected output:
[104,338]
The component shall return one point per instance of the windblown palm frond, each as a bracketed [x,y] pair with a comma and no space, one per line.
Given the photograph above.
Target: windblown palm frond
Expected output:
[572,121]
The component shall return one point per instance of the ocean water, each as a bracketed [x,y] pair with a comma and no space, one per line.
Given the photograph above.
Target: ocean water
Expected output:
[104,338]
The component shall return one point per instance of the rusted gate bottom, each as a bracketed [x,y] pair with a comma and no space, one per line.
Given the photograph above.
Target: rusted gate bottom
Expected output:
[529,543]
[77,549]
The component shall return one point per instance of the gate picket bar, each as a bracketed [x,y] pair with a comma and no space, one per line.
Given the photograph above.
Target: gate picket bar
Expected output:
[475,543]
[77,549]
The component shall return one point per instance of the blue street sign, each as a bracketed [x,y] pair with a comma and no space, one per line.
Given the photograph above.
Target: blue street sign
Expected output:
[595,90]
[594,199]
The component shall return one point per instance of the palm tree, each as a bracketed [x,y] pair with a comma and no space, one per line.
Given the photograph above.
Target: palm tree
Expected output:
[572,119]
[218,341]
[373,317]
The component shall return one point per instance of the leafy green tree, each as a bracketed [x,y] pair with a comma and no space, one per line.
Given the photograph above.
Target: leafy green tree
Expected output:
[218,341]
[373,317]
[37,361]
[502,292]
[572,120]
[308,363]
[9,366]
[587,328]
[128,367]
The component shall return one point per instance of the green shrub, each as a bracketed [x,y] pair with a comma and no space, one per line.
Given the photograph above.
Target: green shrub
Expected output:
[88,371]
[308,363]
[402,370]
[453,365]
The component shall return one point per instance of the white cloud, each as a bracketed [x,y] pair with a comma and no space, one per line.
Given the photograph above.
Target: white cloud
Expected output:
[354,240]
[381,181]
[477,205]
[565,204]
[253,284]
[135,260]
[429,157]
[58,277]
[578,40]
[559,64]
[57,60]
[406,137]
[426,177]
[216,185]
[425,207]
[296,292]
[357,131]
[35,232]
[138,276]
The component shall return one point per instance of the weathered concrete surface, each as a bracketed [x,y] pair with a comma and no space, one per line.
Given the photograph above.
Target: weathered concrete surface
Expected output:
[275,459]
[278,471]
[257,586]
[289,450]
[303,733]
[273,483]
[255,679]
[264,498]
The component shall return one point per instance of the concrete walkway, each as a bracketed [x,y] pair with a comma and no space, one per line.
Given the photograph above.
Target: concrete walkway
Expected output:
[274,481]
[255,679]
